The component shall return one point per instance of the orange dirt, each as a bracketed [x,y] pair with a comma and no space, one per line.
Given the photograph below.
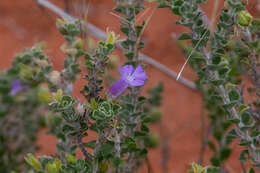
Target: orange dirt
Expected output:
[23,24]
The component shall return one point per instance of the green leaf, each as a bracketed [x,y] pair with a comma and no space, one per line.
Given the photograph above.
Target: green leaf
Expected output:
[215,161]
[251,170]
[255,133]
[120,9]
[211,145]
[242,108]
[143,152]
[116,161]
[107,148]
[90,144]
[140,133]
[244,156]
[217,82]
[131,143]
[232,134]
[94,104]
[225,153]
[144,128]
[66,128]
[245,118]
[244,143]
[233,95]
[184,36]
[229,106]
[162,5]
[256,165]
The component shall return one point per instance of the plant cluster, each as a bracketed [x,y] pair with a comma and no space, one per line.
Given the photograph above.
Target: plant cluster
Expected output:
[220,58]
[120,121]
[118,116]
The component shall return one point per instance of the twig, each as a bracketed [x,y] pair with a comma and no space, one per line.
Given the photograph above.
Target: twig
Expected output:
[165,147]
[204,138]
[93,30]
[243,167]
[149,167]
[83,150]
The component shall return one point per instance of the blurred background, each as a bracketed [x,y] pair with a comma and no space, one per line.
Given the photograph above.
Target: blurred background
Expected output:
[24,23]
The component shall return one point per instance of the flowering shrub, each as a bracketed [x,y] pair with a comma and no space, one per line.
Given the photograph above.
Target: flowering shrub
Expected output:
[120,115]
[232,51]
[119,120]
[20,115]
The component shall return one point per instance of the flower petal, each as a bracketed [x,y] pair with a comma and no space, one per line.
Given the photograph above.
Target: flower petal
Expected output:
[139,73]
[17,87]
[137,83]
[126,70]
[139,77]
[16,83]
[118,87]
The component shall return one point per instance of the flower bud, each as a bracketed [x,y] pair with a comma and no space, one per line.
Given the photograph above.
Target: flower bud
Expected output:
[45,95]
[60,25]
[78,44]
[230,86]
[244,18]
[112,38]
[31,160]
[58,163]
[156,114]
[42,62]
[55,77]
[26,72]
[58,95]
[197,168]
[152,141]
[80,109]
[69,51]
[70,159]
[52,168]
[226,5]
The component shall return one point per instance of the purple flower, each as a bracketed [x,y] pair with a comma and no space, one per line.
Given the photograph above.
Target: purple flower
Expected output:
[129,77]
[17,87]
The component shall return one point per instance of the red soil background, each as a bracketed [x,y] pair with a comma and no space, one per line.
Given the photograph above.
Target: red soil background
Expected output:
[23,23]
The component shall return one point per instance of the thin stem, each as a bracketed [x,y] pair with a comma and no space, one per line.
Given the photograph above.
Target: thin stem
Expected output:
[83,149]
[117,147]
[149,167]
[243,167]
[204,143]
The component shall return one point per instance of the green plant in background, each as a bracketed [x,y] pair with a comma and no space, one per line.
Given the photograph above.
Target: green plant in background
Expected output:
[20,115]
[199,169]
[219,66]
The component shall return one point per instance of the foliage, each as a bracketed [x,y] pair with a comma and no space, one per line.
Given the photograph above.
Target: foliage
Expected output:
[20,118]
[219,60]
[199,169]
[120,120]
